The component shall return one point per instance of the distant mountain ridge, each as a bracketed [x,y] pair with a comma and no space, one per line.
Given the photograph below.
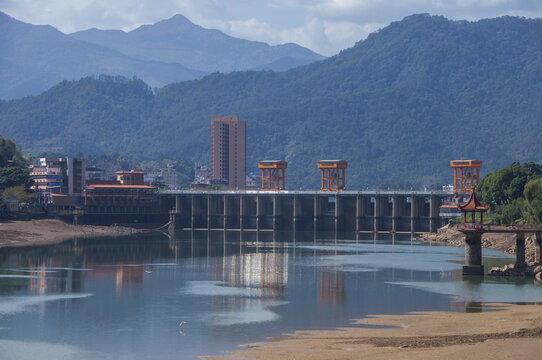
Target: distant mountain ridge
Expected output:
[178,40]
[397,106]
[34,58]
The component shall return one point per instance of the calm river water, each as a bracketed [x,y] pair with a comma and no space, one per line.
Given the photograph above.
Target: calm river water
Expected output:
[150,297]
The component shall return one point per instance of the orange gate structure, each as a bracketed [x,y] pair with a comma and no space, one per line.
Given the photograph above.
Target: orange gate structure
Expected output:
[273,174]
[333,174]
[466,174]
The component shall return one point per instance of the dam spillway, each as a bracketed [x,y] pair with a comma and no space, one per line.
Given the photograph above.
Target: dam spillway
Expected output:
[341,211]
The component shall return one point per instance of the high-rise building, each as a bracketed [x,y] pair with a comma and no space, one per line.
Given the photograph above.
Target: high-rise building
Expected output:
[228,150]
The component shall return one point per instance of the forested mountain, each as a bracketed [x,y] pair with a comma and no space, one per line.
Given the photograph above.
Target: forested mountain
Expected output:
[398,106]
[34,58]
[178,40]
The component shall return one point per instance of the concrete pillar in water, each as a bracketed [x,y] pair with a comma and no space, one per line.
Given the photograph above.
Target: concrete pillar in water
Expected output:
[275,212]
[358,214]
[172,222]
[414,213]
[178,203]
[473,254]
[396,213]
[520,251]
[226,211]
[241,212]
[434,209]
[193,218]
[258,211]
[339,213]
[210,211]
[381,202]
[538,248]
[317,212]
[297,212]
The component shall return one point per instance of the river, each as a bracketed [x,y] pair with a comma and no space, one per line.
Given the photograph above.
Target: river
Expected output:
[203,293]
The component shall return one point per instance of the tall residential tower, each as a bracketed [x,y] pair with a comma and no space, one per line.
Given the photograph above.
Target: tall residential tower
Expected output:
[228,144]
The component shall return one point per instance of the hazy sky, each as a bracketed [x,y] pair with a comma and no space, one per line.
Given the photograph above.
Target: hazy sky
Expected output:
[325,26]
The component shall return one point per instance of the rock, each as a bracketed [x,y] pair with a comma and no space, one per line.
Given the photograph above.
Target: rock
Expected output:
[538,276]
[537,269]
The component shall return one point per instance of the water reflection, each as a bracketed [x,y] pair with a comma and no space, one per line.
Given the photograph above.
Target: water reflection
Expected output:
[159,297]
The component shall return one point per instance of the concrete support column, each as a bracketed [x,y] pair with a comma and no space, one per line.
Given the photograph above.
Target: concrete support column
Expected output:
[297,212]
[275,212]
[359,205]
[473,254]
[381,203]
[194,212]
[339,213]
[226,211]
[242,209]
[317,212]
[178,203]
[209,211]
[414,213]
[520,251]
[434,209]
[172,221]
[396,213]
[538,248]
[259,203]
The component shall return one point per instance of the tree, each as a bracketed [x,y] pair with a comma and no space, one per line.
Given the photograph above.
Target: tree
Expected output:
[14,176]
[533,197]
[507,184]
[10,154]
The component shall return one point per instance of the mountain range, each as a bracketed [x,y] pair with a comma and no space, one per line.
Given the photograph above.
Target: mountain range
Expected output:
[398,106]
[34,58]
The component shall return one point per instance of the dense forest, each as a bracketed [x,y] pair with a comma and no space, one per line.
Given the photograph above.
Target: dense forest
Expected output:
[397,106]
[514,193]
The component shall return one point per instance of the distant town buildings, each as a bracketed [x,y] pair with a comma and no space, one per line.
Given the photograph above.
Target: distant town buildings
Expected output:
[58,176]
[94,173]
[228,147]
[132,177]
[202,174]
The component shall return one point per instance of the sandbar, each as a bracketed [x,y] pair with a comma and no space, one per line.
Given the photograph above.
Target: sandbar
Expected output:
[507,331]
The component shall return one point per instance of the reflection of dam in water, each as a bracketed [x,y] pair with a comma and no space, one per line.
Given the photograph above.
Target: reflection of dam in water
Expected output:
[267,272]
[343,211]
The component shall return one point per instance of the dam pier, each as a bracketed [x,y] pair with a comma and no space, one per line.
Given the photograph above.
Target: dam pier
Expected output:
[341,211]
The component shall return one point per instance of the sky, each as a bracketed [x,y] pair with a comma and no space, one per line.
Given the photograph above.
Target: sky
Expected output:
[325,26]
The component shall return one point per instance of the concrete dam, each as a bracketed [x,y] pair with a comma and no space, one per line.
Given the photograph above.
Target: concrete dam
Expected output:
[341,211]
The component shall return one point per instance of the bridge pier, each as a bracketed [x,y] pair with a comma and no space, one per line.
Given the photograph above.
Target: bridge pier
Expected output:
[538,248]
[473,253]
[521,263]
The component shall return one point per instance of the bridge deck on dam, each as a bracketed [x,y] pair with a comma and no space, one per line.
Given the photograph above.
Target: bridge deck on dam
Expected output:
[303,210]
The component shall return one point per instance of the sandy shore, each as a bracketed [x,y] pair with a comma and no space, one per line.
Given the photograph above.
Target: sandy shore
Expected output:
[51,231]
[512,332]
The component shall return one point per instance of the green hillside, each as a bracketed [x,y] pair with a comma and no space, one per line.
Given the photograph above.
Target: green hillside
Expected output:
[398,106]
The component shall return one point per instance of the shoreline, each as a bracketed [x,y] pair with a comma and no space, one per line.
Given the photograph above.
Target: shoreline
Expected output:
[510,331]
[18,233]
